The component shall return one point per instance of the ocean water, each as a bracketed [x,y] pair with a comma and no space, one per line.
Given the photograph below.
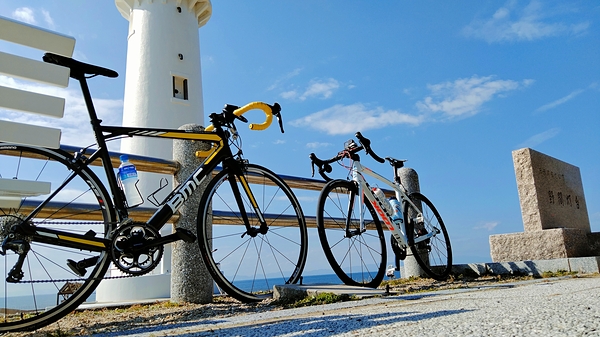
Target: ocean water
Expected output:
[41,301]
[49,300]
[310,279]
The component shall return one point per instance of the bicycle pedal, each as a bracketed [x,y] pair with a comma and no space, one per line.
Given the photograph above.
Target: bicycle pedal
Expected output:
[80,267]
[77,270]
[185,235]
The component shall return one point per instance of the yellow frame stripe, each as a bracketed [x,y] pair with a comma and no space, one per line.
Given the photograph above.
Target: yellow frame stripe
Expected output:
[195,136]
[82,241]
[212,152]
[248,192]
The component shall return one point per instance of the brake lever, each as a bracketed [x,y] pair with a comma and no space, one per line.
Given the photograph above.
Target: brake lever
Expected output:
[366,143]
[229,110]
[312,157]
[276,110]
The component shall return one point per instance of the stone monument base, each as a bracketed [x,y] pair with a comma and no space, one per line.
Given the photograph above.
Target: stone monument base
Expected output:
[544,244]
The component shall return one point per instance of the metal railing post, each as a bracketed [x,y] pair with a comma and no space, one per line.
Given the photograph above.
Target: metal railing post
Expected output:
[410,180]
[190,280]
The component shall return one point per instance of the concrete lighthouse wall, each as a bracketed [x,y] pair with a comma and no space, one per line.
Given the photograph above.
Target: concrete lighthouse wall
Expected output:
[163,85]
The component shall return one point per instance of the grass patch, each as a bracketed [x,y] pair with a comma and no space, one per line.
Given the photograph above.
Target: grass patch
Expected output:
[399,281]
[558,273]
[323,298]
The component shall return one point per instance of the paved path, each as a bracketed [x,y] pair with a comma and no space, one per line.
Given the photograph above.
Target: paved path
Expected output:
[554,307]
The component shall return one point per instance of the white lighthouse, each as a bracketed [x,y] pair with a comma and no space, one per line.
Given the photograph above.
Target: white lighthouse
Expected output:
[163,89]
[163,85]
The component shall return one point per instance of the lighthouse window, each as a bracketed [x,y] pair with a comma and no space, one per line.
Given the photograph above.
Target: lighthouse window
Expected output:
[180,87]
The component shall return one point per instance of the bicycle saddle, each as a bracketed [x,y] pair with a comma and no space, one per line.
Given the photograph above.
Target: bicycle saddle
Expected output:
[78,69]
[396,163]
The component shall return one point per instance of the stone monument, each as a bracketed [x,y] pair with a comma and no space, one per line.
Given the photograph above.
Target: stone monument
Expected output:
[554,212]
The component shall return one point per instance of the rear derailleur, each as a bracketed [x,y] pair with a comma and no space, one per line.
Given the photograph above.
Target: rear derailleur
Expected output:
[13,239]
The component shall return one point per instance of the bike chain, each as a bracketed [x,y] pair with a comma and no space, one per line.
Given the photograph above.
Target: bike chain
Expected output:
[77,279]
[79,223]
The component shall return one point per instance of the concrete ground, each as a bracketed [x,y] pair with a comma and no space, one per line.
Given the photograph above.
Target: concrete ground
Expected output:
[568,306]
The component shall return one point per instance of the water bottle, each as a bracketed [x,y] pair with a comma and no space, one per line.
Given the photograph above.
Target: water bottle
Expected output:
[128,177]
[397,217]
[397,211]
[382,200]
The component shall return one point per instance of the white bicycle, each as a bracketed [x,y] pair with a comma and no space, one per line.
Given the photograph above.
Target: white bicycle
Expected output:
[349,215]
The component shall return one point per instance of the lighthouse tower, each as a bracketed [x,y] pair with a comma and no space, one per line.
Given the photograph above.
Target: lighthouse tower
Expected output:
[163,85]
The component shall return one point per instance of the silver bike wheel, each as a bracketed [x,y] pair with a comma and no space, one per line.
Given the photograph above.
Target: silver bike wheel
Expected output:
[358,258]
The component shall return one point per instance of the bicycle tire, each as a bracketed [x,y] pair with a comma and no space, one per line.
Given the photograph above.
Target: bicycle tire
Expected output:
[358,260]
[434,255]
[247,267]
[36,300]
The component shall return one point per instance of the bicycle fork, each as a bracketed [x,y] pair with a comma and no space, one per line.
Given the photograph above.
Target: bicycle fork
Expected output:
[252,231]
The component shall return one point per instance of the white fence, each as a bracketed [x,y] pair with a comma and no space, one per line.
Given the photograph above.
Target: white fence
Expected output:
[15,66]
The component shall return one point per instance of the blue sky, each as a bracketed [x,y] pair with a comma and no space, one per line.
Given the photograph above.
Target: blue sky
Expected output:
[454,87]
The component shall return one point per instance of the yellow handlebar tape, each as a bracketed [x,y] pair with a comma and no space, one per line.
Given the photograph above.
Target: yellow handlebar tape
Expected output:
[251,106]
[261,106]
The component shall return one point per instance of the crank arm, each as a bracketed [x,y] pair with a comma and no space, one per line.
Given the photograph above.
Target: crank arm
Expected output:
[180,234]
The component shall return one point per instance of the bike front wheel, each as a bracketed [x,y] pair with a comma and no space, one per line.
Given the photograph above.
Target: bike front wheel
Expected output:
[358,257]
[245,260]
[433,254]
[53,280]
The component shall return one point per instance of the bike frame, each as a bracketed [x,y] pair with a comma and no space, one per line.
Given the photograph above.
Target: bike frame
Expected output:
[220,152]
[364,189]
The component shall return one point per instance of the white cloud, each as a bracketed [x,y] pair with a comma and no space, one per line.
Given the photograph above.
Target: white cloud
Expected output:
[321,89]
[316,89]
[28,15]
[560,101]
[489,226]
[510,23]
[461,98]
[292,94]
[48,19]
[539,138]
[465,97]
[347,119]
[24,14]
[74,125]
[316,145]
[284,78]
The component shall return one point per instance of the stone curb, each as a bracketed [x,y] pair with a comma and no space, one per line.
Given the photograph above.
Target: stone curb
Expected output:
[584,265]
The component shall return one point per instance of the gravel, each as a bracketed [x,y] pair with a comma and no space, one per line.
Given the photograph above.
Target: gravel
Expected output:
[568,306]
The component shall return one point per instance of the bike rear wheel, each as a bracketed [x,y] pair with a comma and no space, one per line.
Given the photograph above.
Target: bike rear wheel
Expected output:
[434,255]
[247,264]
[358,258]
[49,289]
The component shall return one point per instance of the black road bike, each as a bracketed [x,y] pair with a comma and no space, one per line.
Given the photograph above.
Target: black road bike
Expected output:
[57,247]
